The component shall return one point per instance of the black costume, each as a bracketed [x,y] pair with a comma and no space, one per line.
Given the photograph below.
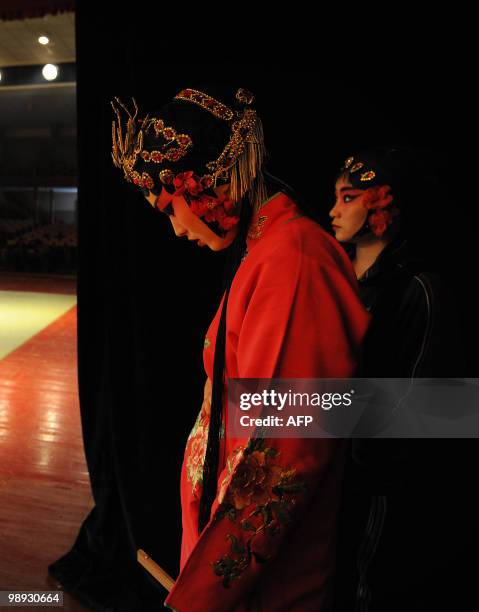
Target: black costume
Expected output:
[408,505]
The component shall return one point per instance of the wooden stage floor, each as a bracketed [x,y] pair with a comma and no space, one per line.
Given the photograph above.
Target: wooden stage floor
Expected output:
[44,483]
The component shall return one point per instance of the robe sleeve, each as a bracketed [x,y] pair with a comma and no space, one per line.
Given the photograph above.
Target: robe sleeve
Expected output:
[299,321]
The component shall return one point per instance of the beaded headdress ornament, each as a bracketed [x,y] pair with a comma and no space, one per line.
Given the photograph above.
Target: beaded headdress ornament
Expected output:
[239,163]
[377,199]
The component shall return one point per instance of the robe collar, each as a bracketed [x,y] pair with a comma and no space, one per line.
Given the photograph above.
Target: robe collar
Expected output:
[278,209]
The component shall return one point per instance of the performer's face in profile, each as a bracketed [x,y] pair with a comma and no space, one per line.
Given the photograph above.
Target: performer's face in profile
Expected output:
[348,213]
[186,223]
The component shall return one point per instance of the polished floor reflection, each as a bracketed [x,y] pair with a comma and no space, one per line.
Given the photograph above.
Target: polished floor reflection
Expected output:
[44,483]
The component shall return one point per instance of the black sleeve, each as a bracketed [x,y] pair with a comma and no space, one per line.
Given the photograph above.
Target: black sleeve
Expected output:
[415,332]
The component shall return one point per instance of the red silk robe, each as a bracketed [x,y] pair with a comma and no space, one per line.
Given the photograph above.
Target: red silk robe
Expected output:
[293,312]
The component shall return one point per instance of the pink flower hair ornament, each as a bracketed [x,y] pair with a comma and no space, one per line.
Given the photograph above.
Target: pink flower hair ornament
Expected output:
[377,200]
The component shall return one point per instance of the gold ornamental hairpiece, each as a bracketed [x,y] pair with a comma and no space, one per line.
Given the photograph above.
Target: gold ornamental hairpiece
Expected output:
[356,167]
[126,147]
[216,108]
[240,162]
[365,176]
[244,96]
[368,176]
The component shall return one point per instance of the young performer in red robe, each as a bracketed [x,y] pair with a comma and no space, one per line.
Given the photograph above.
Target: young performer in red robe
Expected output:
[259,514]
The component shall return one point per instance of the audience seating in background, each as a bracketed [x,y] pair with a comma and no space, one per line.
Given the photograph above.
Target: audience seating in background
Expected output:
[46,248]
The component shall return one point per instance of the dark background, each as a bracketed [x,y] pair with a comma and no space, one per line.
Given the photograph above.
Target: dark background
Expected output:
[145,298]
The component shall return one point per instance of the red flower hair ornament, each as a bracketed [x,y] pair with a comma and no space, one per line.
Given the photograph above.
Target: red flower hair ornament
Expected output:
[377,199]
[219,210]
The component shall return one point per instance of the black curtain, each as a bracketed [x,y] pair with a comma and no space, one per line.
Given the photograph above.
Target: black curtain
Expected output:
[145,298]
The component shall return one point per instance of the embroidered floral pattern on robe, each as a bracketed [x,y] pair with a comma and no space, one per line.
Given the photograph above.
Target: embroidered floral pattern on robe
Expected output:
[197,442]
[260,493]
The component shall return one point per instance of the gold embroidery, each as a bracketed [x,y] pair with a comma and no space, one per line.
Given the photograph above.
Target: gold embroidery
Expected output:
[197,442]
[207,343]
[257,482]
[256,229]
[196,453]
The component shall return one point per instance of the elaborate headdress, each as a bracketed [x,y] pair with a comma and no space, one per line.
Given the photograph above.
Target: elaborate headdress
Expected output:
[380,172]
[222,144]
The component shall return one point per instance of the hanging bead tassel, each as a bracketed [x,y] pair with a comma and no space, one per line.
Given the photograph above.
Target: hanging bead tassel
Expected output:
[246,175]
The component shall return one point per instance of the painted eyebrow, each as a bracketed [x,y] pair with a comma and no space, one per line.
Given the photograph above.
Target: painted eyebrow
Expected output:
[349,189]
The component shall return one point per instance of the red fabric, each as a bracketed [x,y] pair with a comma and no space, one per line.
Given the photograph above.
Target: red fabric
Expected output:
[293,312]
